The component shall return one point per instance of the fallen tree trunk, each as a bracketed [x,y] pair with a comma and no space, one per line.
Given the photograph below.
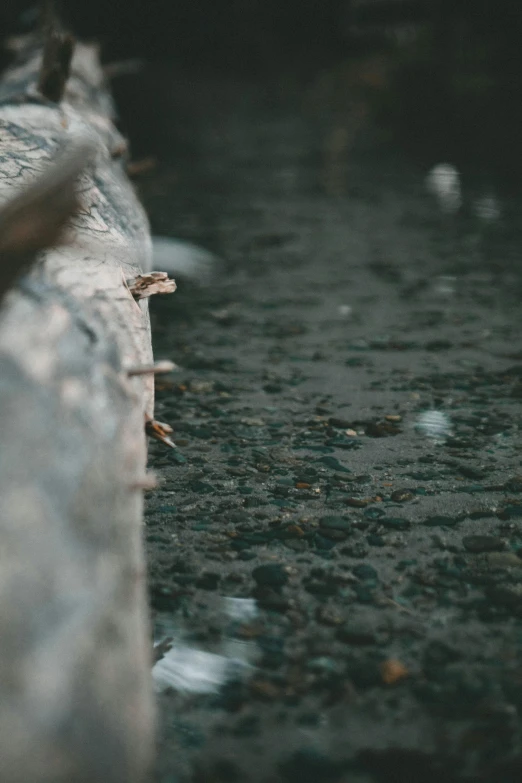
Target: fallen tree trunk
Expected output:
[75,700]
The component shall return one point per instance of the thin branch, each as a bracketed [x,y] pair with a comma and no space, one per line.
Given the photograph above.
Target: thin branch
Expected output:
[152,369]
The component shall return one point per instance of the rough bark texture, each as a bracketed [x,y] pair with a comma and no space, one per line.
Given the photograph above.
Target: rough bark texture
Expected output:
[75,700]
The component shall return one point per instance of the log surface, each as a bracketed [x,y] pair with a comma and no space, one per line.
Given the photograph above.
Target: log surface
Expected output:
[75,704]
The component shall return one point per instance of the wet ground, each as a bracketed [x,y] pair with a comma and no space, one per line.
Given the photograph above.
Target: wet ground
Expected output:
[349,464]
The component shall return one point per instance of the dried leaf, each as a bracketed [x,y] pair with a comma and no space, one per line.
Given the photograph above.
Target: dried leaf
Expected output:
[159,431]
[146,285]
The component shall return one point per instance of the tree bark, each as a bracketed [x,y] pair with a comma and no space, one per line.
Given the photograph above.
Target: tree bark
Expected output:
[76,701]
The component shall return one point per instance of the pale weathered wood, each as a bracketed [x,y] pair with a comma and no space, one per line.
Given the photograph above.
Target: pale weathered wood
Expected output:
[75,690]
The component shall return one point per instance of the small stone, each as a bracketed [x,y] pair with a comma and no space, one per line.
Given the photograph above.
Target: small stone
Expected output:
[514,484]
[341,424]
[330,615]
[504,560]
[439,654]
[208,581]
[470,472]
[506,595]
[333,464]
[310,766]
[478,544]
[364,572]
[320,587]
[270,575]
[265,690]
[252,422]
[382,429]
[393,671]
[335,535]
[270,598]
[336,523]
[374,512]
[395,523]
[356,550]
[402,495]
[441,521]
[357,634]
[357,502]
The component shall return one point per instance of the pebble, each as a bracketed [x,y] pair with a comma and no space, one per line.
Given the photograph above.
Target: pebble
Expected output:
[365,572]
[270,575]
[477,544]
[336,523]
[402,495]
[357,634]
[330,615]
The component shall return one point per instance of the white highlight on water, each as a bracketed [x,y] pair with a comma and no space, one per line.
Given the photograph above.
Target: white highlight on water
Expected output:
[178,257]
[190,670]
[487,208]
[443,182]
[434,424]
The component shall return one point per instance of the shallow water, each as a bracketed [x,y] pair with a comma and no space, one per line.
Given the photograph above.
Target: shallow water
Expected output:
[347,415]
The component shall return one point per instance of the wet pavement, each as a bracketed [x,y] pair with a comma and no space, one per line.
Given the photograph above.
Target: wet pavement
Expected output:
[337,536]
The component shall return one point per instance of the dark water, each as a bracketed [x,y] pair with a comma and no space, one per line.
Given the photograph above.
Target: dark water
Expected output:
[349,464]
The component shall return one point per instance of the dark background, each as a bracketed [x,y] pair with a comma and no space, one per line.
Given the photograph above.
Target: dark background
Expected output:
[453,81]
[239,33]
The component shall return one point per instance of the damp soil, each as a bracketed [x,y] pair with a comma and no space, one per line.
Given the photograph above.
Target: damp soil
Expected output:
[347,412]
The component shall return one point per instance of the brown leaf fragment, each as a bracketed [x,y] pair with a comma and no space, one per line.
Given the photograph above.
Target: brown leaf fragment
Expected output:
[159,431]
[152,283]
[157,368]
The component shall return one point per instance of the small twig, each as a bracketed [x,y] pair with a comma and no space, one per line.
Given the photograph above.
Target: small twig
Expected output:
[390,602]
[158,368]
[159,431]
[123,68]
[143,286]
[145,483]
[136,168]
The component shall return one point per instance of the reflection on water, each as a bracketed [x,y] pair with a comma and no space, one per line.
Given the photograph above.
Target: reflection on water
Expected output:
[434,424]
[487,208]
[444,286]
[183,259]
[443,182]
[190,670]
